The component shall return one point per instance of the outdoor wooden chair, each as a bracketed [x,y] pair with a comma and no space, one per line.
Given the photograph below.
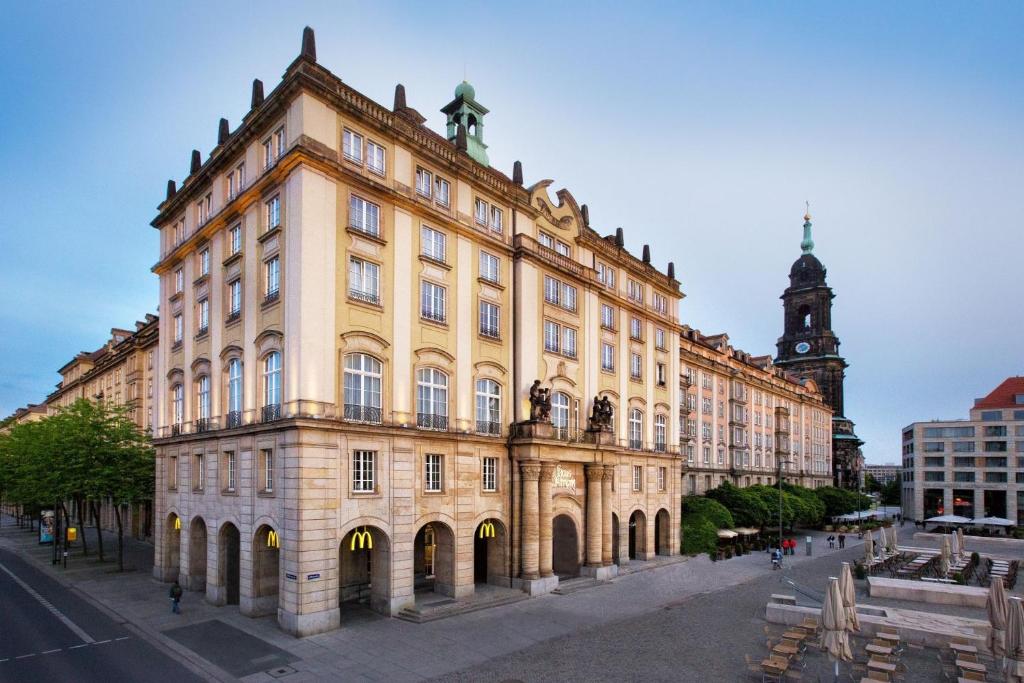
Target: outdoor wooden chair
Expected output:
[973,676]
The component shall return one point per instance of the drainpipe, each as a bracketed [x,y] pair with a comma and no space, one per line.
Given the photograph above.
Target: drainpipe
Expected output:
[513,402]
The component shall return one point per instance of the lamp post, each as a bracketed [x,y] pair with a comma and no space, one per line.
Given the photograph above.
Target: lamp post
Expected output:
[781,462]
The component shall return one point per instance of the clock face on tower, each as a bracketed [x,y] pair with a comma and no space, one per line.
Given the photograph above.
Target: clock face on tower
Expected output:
[802,347]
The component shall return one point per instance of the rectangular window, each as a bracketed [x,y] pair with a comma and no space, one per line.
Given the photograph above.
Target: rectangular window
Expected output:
[568,297]
[963,446]
[660,374]
[432,302]
[204,316]
[661,478]
[552,336]
[424,182]
[941,462]
[273,277]
[239,176]
[179,281]
[363,280]
[274,212]
[490,474]
[364,216]
[268,154]
[229,471]
[935,476]
[279,142]
[635,329]
[995,477]
[607,317]
[707,455]
[481,212]
[546,240]
[638,477]
[607,357]
[267,470]
[235,298]
[563,249]
[635,365]
[433,244]
[179,329]
[489,267]
[497,224]
[990,415]
[352,146]
[198,475]
[998,430]
[934,446]
[172,472]
[605,275]
[363,471]
[432,473]
[443,196]
[235,236]
[660,304]
[569,342]
[374,158]
[489,320]
[635,291]
[204,262]
[659,338]
[552,290]
[995,446]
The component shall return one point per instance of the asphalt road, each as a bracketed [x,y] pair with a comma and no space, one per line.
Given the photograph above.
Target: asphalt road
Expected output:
[50,634]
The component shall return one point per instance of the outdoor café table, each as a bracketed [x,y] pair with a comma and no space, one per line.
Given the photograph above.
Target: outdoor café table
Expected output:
[794,635]
[888,636]
[878,649]
[971,666]
[960,647]
[879,665]
[785,649]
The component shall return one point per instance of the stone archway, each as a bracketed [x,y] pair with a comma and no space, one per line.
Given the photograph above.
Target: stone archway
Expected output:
[638,535]
[197,539]
[490,552]
[172,548]
[662,529]
[266,563]
[364,570]
[565,554]
[434,559]
[229,560]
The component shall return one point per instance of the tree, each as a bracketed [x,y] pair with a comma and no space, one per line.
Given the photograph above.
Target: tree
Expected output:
[699,506]
[871,485]
[891,491]
[746,507]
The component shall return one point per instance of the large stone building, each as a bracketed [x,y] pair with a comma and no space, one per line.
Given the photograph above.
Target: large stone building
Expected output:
[809,348]
[389,368]
[971,468]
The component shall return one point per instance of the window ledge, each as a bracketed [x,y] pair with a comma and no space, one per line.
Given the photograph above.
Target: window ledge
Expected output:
[434,323]
[490,283]
[276,230]
[492,340]
[434,262]
[356,232]
[237,256]
[270,302]
[176,296]
[378,307]
[233,320]
[266,494]
[200,280]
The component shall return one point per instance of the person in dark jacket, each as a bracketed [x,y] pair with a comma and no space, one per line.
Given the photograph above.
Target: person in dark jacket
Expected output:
[175,595]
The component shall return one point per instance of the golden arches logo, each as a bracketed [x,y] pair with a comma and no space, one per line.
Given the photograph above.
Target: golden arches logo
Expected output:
[487,530]
[273,540]
[364,538]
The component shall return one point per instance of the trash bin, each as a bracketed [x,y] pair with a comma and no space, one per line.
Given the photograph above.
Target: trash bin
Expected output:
[807,546]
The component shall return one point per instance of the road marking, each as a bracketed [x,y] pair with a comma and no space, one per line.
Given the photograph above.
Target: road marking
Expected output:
[47,652]
[75,647]
[75,628]
[25,656]
[100,642]
[122,638]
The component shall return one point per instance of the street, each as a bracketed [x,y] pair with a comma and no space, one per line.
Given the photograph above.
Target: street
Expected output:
[49,634]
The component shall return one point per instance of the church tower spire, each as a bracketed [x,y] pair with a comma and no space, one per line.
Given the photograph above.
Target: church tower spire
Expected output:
[465,112]
[807,245]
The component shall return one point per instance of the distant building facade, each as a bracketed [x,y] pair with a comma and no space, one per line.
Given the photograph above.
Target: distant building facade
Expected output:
[883,474]
[971,468]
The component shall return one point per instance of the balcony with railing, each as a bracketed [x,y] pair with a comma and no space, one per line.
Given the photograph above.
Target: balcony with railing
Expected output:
[531,246]
[432,421]
[433,315]
[488,428]
[366,296]
[234,419]
[270,413]
[360,413]
[490,331]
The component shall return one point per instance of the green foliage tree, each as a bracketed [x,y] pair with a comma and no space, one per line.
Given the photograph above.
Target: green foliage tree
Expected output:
[699,506]
[891,491]
[699,535]
[747,507]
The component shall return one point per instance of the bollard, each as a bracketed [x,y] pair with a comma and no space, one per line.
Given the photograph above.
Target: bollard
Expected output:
[807,546]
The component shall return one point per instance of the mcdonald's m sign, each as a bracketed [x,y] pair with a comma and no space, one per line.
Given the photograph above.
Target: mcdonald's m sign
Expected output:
[487,530]
[272,539]
[363,538]
[177,523]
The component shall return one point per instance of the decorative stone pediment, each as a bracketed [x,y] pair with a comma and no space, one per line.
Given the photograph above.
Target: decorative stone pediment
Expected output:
[564,216]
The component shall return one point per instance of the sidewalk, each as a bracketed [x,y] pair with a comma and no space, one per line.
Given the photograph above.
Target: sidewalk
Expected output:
[371,647]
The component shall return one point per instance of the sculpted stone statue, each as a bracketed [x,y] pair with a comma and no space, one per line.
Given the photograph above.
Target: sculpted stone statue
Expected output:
[601,415]
[540,403]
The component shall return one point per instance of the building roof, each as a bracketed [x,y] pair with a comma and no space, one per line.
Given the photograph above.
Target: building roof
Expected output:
[1005,395]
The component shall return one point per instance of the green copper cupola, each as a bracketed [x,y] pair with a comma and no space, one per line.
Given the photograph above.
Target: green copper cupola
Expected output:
[807,244]
[466,112]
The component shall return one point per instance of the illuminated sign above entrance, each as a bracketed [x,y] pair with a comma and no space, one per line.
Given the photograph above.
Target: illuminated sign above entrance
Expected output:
[564,479]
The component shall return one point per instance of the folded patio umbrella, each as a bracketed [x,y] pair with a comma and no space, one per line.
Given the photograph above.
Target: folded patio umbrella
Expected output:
[944,556]
[849,593]
[1015,642]
[834,637]
[869,548]
[997,609]
[954,544]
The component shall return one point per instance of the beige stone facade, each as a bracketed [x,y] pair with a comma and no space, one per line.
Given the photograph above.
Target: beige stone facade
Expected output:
[356,312]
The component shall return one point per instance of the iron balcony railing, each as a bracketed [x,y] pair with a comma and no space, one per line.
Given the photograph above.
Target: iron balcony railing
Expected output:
[489,428]
[202,424]
[362,295]
[430,314]
[489,331]
[431,421]
[234,419]
[361,413]
[272,296]
[271,413]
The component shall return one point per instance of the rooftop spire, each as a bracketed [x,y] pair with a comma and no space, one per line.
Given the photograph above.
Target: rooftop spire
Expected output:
[308,45]
[807,245]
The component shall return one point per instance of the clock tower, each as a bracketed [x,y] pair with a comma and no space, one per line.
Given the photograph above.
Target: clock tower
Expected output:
[809,348]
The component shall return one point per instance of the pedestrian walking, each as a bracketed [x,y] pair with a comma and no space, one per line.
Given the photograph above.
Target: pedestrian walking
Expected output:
[842,541]
[175,595]
[777,559]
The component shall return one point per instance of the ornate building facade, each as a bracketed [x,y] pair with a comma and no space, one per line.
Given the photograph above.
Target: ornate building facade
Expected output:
[809,348]
[391,369]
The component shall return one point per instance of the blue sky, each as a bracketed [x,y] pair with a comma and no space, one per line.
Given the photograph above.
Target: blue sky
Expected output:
[698,128]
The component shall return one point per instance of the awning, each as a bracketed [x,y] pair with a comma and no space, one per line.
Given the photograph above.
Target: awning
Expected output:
[725,533]
[746,531]
[992,521]
[948,519]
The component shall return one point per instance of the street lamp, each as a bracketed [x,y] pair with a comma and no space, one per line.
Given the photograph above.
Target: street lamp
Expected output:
[781,462]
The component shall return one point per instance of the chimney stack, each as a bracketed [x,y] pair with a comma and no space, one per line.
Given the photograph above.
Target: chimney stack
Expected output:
[257,93]
[308,45]
[223,131]
[517,173]
[197,162]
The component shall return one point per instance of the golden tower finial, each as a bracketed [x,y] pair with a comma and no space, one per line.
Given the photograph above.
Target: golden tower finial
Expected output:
[807,215]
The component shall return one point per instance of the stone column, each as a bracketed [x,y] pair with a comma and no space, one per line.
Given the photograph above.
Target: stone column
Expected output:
[595,473]
[547,474]
[531,547]
[606,514]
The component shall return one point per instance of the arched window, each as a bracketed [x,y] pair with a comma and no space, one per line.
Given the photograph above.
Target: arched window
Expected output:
[488,407]
[431,399]
[660,439]
[203,403]
[177,406]
[362,388]
[272,386]
[560,414]
[234,392]
[805,316]
[636,428]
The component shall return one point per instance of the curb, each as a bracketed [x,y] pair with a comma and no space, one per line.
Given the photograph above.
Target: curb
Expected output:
[179,653]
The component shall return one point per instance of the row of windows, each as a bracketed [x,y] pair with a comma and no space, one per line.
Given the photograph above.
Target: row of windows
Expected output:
[227,472]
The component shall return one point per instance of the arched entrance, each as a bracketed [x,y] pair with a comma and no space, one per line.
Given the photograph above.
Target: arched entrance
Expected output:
[615,538]
[172,548]
[229,549]
[197,554]
[565,552]
[662,527]
[638,535]
[364,566]
[490,552]
[266,562]
[433,563]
